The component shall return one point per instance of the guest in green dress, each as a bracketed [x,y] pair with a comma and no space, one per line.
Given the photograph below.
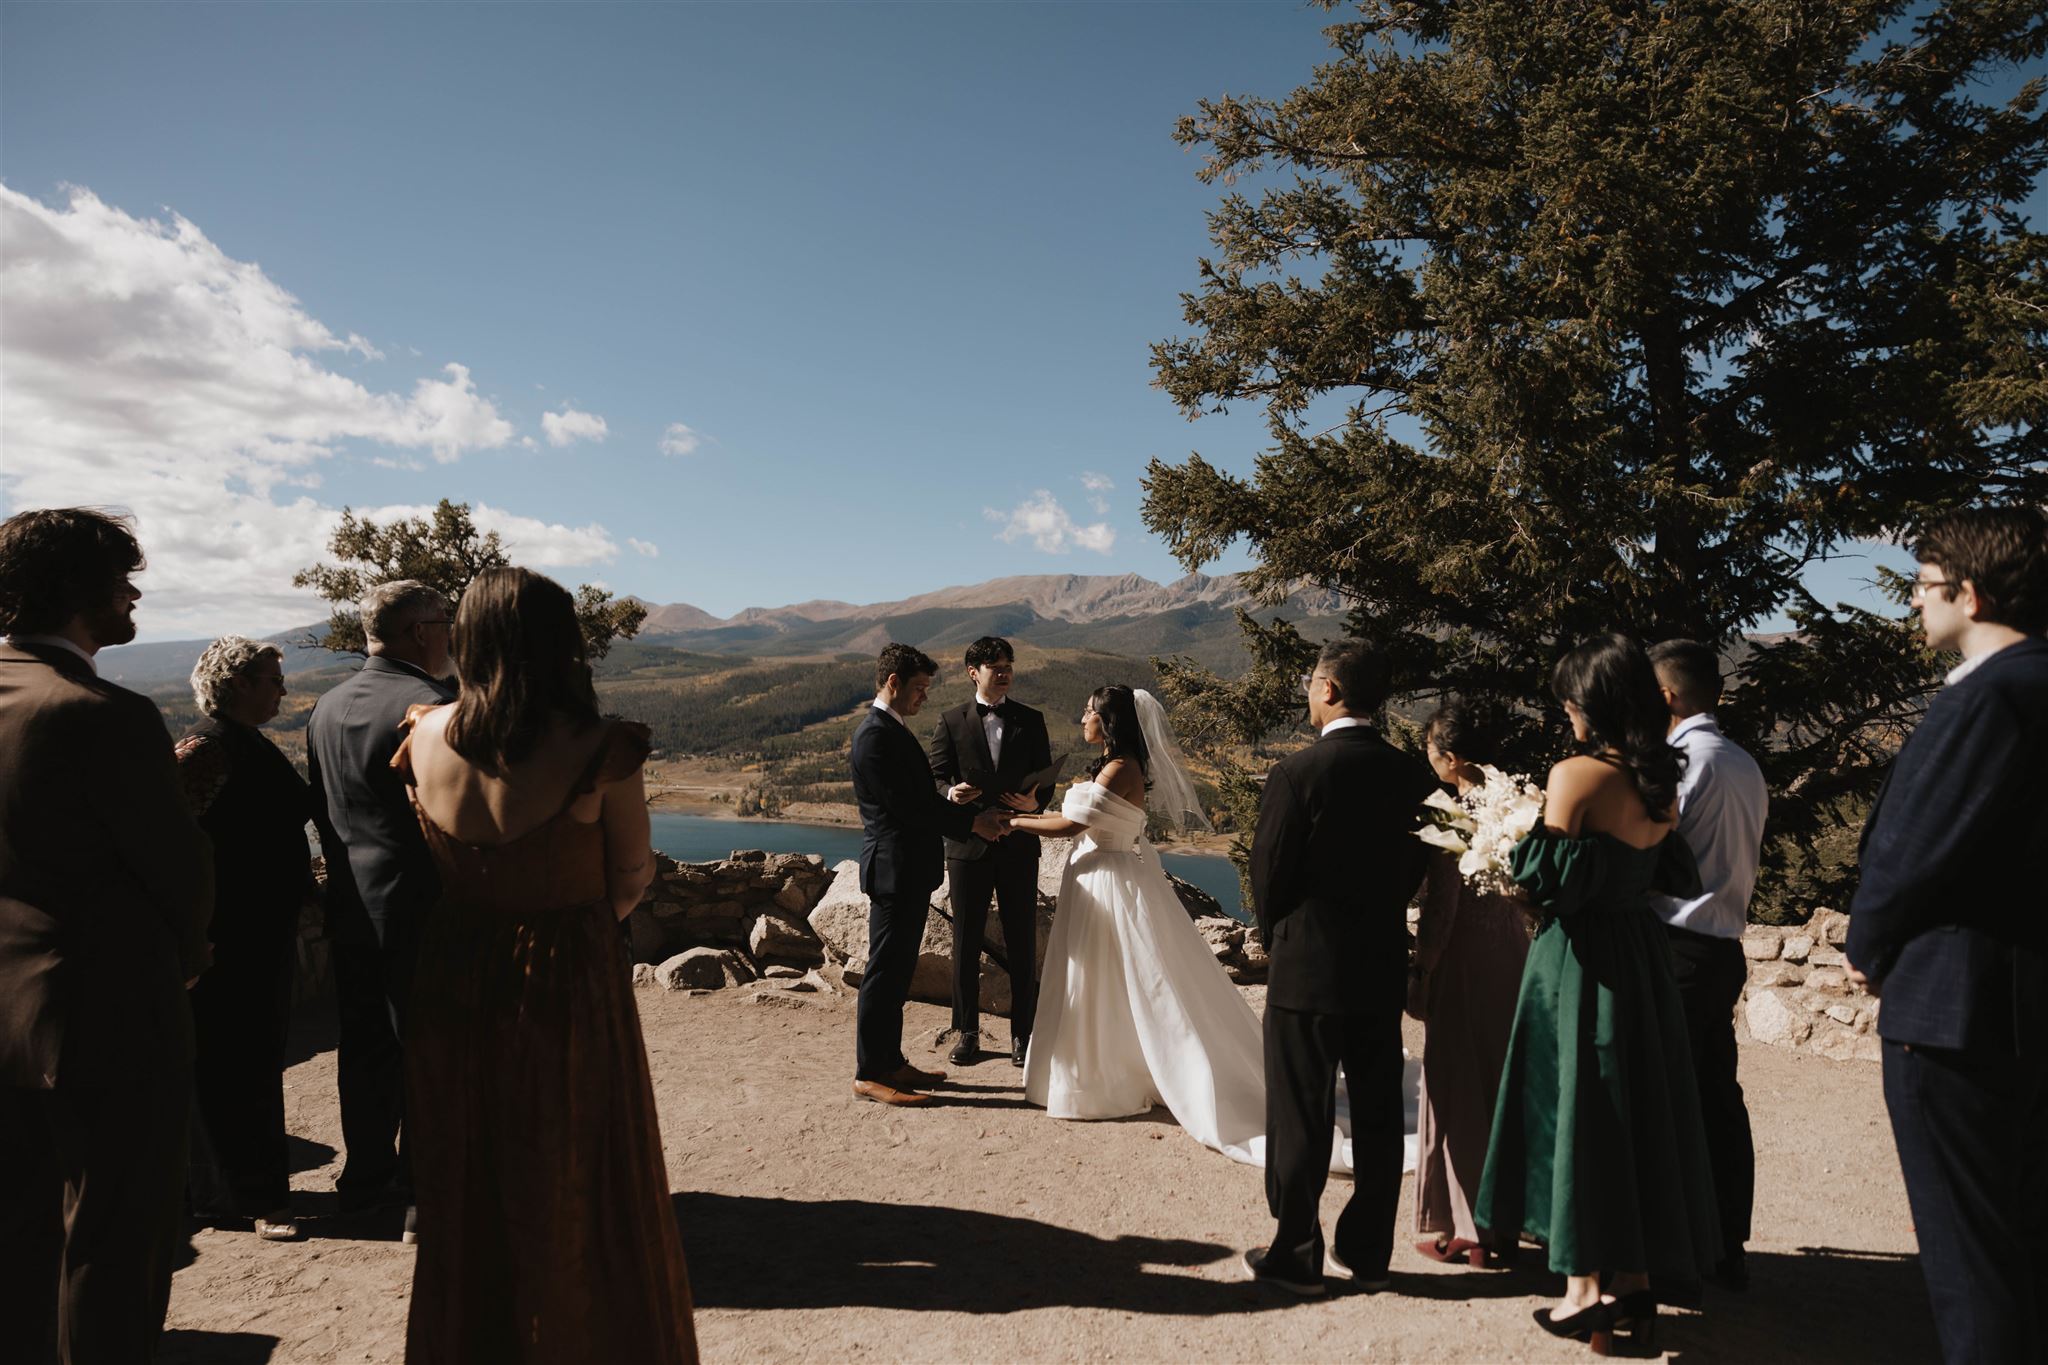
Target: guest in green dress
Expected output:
[1598,1150]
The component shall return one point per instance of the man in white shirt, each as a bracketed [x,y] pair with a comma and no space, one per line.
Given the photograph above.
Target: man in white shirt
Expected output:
[1722,800]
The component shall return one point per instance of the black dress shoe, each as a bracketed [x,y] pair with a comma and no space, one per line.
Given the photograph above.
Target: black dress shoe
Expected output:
[966,1051]
[1017,1046]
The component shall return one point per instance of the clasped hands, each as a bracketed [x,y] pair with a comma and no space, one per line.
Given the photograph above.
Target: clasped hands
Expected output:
[991,824]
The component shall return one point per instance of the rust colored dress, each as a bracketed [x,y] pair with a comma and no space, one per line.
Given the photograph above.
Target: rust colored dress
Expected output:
[545,1228]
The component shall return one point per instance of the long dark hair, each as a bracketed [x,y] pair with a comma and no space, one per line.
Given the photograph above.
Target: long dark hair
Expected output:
[1116,706]
[1610,679]
[519,650]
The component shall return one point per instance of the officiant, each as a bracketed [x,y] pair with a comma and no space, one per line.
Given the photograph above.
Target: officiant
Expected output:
[985,753]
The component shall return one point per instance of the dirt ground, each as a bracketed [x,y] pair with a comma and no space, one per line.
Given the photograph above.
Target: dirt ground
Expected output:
[820,1227]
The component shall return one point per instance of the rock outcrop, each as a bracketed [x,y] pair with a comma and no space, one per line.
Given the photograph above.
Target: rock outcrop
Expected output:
[1798,994]
[752,903]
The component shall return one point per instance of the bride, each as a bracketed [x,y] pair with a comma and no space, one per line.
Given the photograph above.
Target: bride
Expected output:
[1133,1008]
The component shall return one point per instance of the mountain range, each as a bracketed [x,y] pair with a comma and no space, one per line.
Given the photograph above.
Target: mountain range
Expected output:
[1111,613]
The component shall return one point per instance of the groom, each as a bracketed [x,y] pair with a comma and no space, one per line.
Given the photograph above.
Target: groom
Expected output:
[1334,863]
[902,861]
[1001,742]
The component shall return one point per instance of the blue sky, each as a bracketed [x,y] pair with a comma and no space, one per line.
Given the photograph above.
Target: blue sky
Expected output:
[727,304]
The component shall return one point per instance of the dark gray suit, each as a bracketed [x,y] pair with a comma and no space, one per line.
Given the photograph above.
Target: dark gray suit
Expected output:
[106,886]
[380,884]
[1948,924]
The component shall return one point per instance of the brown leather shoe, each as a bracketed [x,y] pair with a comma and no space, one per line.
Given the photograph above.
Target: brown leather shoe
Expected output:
[881,1092]
[908,1077]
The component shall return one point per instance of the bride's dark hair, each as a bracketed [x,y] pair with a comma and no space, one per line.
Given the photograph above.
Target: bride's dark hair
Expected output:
[1116,706]
[1612,682]
[519,650]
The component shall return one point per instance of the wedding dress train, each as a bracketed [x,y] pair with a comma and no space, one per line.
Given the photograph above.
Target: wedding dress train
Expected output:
[1133,1008]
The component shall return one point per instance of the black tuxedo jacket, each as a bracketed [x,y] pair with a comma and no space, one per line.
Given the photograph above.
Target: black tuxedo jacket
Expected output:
[1947,919]
[106,882]
[378,867]
[960,746]
[903,820]
[1334,863]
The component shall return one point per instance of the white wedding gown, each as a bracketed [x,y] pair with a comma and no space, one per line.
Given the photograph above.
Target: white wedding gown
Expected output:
[1133,1008]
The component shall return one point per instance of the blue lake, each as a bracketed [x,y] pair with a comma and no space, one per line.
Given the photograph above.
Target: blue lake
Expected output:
[704,838]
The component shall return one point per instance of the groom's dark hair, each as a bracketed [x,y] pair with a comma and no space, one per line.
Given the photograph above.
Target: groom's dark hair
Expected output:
[902,661]
[990,649]
[1362,677]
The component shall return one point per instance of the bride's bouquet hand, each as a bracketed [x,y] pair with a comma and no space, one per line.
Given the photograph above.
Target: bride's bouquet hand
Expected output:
[1482,826]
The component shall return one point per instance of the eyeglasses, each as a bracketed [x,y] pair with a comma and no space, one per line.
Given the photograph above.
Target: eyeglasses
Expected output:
[1921,585]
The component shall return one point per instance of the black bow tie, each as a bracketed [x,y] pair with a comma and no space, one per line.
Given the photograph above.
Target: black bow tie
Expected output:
[982,708]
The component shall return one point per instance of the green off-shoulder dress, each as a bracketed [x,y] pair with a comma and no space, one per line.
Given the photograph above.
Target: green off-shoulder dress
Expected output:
[1597,1149]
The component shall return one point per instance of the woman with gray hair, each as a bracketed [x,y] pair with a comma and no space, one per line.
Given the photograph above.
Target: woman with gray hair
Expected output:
[252,803]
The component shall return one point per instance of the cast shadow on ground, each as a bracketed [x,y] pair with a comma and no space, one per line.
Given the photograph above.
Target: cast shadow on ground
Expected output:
[214,1348]
[1818,1304]
[762,1252]
[312,1030]
[304,1154]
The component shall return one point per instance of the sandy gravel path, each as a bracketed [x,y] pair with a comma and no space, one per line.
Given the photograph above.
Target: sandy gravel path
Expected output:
[822,1228]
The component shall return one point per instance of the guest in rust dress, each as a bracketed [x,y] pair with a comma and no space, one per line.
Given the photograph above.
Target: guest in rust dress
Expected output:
[545,1229]
[1469,952]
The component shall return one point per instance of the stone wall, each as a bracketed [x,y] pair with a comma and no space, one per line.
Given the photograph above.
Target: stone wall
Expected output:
[750,905]
[1799,996]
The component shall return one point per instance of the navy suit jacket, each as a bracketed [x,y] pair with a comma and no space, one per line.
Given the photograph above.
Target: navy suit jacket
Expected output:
[1334,863]
[378,867]
[1948,919]
[905,822]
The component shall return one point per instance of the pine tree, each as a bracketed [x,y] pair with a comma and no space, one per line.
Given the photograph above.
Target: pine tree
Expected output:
[1638,309]
[444,552]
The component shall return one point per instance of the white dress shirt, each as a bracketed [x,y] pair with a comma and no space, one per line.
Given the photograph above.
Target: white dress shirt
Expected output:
[992,726]
[890,712]
[1341,723]
[1722,800]
[55,642]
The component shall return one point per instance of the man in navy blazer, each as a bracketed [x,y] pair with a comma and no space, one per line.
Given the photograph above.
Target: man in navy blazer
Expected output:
[1948,926]
[902,861]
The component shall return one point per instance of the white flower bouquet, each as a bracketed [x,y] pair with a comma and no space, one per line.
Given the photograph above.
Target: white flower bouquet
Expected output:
[1483,826]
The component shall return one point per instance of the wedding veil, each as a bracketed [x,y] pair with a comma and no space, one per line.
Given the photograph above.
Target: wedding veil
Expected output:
[1173,791]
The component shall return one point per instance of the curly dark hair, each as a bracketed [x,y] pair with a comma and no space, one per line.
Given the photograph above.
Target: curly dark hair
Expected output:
[1116,706]
[2002,552]
[1471,731]
[990,649]
[903,661]
[56,562]
[519,649]
[1610,679]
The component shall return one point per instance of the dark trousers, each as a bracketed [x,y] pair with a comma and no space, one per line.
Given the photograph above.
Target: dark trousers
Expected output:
[1302,1054]
[895,929]
[1969,1130]
[240,1010]
[1711,973]
[1013,884]
[373,988]
[92,1182]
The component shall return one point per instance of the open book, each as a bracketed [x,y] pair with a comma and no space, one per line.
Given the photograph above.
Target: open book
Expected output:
[991,785]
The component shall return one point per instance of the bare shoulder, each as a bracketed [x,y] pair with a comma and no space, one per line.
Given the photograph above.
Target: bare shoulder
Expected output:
[1124,778]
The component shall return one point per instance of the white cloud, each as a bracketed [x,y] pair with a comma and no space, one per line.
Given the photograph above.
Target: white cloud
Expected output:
[679,440]
[569,426]
[641,547]
[1041,520]
[142,367]
[1097,485]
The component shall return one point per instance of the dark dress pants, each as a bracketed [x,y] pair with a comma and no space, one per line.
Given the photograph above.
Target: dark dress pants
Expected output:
[1711,973]
[240,1010]
[1969,1131]
[1302,1054]
[92,1181]
[895,929]
[373,988]
[1012,882]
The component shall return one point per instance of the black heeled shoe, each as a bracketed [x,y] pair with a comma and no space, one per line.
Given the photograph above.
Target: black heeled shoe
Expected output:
[1636,1315]
[1593,1324]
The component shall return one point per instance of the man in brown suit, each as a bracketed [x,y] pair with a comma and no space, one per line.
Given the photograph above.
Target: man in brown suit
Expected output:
[106,886]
